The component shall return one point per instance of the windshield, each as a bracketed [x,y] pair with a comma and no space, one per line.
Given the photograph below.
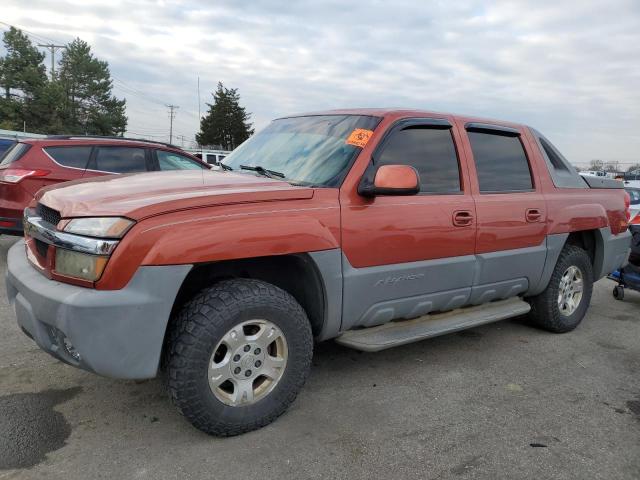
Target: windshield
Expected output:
[313,150]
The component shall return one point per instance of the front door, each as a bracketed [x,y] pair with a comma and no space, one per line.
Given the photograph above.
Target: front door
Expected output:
[407,255]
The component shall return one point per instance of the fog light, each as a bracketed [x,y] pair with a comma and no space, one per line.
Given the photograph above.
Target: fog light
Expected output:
[79,265]
[70,349]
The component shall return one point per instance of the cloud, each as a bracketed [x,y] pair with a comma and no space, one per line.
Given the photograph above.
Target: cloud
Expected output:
[571,69]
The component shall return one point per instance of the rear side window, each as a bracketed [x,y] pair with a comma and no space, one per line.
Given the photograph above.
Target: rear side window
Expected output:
[120,160]
[15,152]
[174,161]
[554,157]
[430,151]
[501,163]
[74,157]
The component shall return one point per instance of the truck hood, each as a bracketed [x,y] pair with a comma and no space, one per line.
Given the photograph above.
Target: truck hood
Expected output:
[143,195]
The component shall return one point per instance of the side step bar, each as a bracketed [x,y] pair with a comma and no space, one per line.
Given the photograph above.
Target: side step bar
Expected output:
[393,334]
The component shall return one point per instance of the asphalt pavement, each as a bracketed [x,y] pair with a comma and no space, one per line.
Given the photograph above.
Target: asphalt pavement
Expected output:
[501,401]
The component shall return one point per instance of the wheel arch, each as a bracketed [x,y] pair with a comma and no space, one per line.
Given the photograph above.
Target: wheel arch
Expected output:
[298,274]
[585,239]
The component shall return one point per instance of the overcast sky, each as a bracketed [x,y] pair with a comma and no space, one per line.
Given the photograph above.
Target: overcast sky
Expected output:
[569,68]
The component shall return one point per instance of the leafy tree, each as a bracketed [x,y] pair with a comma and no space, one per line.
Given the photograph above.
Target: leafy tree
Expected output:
[88,106]
[226,123]
[633,168]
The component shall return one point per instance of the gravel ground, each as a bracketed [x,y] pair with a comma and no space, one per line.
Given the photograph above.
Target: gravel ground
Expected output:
[500,401]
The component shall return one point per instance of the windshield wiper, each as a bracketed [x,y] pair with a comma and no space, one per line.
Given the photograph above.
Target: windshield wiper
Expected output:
[263,171]
[225,167]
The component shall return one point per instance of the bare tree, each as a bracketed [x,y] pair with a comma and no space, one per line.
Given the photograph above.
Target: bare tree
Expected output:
[596,165]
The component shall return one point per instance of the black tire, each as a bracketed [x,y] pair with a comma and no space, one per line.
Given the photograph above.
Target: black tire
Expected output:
[618,292]
[545,312]
[200,326]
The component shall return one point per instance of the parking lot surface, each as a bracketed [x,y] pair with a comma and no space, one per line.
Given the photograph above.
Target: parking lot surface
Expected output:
[500,401]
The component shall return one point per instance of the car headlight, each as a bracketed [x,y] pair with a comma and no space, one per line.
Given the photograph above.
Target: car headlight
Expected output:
[101,227]
[79,265]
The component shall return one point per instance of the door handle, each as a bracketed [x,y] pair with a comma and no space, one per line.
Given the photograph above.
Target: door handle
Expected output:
[533,215]
[462,218]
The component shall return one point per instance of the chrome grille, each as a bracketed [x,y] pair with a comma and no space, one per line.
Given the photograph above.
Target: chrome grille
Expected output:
[48,214]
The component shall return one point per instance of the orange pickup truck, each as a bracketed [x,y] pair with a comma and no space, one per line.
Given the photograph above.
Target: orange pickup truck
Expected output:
[372,227]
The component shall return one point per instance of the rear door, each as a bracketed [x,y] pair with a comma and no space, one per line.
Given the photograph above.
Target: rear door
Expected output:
[69,163]
[119,159]
[511,212]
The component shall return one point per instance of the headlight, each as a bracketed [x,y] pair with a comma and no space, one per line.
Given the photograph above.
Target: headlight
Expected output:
[102,227]
[79,265]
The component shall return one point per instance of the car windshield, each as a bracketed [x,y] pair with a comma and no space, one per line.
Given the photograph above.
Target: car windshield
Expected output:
[314,150]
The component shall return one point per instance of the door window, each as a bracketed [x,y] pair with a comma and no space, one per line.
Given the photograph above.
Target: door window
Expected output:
[430,151]
[74,157]
[501,163]
[120,160]
[175,161]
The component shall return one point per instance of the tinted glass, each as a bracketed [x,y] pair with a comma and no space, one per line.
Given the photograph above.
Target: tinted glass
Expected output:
[4,146]
[308,150]
[174,161]
[76,157]
[430,151]
[634,193]
[501,162]
[212,158]
[552,155]
[120,160]
[14,152]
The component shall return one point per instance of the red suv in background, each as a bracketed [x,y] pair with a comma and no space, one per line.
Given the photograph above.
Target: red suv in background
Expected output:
[31,164]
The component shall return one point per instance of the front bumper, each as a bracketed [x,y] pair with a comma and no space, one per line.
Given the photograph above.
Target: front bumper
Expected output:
[116,333]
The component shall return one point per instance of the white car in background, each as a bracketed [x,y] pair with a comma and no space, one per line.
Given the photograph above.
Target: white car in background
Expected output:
[212,157]
[596,173]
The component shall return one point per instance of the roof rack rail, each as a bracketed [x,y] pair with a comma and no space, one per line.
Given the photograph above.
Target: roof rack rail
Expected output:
[106,137]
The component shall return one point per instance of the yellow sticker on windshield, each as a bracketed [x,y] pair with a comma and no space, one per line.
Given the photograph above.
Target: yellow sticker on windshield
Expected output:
[359,137]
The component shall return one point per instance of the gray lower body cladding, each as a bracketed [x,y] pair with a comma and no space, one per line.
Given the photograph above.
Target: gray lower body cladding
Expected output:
[117,333]
[372,296]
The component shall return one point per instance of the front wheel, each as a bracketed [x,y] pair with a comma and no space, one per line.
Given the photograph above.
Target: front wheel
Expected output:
[562,305]
[240,352]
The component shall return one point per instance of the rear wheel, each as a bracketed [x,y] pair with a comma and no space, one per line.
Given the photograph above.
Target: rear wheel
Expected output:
[562,305]
[240,352]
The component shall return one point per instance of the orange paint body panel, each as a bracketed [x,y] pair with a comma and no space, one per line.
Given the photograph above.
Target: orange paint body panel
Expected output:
[201,216]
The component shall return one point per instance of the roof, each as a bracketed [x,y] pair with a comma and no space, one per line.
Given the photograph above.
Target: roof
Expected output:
[94,140]
[405,113]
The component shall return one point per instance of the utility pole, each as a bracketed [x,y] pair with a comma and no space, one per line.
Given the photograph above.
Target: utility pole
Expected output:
[172,115]
[52,48]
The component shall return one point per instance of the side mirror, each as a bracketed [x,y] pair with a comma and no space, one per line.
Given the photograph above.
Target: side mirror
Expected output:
[389,180]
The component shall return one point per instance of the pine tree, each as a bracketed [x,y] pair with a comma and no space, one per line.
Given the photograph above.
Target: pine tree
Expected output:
[88,106]
[22,77]
[226,124]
